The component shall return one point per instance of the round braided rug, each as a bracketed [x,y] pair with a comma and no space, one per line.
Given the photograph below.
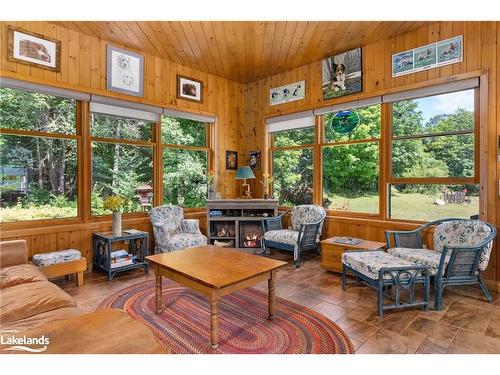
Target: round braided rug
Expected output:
[184,325]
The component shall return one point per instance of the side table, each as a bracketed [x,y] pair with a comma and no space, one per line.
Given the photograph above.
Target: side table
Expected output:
[331,252]
[137,246]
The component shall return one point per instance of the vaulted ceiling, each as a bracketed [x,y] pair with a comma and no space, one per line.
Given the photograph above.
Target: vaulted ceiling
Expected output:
[242,51]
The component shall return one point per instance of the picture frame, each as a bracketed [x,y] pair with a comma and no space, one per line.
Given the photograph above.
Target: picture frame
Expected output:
[450,51]
[124,71]
[189,89]
[254,161]
[28,48]
[402,63]
[231,160]
[342,74]
[287,93]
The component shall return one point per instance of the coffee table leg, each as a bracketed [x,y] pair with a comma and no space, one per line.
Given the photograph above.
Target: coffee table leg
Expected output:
[159,305]
[214,324]
[271,303]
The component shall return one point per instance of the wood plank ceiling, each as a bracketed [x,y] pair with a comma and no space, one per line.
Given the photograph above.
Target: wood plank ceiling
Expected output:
[241,51]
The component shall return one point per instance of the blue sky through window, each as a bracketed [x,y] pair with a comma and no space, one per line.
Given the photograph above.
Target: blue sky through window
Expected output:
[445,104]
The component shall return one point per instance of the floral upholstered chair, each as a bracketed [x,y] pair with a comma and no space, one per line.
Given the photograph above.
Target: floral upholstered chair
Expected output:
[172,231]
[304,233]
[462,249]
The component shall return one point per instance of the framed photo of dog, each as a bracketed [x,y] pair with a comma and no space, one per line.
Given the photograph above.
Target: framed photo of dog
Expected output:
[342,74]
[125,71]
[25,47]
[189,89]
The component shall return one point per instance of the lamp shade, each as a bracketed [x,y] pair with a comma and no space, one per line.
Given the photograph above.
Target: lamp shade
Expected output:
[244,172]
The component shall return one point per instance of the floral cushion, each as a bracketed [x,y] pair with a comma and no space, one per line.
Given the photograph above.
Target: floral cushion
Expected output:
[464,232]
[425,257]
[305,214]
[169,217]
[63,256]
[286,236]
[183,241]
[190,226]
[369,263]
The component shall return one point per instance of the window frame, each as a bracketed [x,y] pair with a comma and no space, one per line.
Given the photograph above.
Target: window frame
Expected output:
[77,136]
[208,148]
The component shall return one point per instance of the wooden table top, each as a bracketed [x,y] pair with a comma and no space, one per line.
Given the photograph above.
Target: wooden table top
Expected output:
[215,266]
[364,245]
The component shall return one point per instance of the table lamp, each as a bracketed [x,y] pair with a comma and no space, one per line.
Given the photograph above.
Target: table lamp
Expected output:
[242,174]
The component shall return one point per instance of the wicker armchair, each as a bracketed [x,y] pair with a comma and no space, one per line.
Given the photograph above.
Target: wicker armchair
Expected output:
[461,251]
[303,235]
[172,231]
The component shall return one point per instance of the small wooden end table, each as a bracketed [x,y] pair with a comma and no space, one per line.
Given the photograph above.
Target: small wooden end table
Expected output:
[331,252]
[215,272]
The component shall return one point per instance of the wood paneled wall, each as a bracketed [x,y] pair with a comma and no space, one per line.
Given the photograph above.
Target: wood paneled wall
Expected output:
[481,51]
[83,68]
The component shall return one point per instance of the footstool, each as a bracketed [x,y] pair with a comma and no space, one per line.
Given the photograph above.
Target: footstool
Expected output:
[61,263]
[381,270]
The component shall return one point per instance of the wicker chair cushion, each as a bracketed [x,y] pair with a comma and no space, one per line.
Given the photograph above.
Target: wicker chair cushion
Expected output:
[464,232]
[63,256]
[286,236]
[369,263]
[424,257]
[305,214]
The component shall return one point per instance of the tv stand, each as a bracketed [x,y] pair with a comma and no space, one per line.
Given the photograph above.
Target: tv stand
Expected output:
[238,220]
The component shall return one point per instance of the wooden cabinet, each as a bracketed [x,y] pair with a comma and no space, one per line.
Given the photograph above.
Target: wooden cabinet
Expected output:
[331,252]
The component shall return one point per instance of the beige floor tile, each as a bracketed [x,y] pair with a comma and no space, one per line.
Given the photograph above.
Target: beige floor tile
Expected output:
[466,342]
[467,316]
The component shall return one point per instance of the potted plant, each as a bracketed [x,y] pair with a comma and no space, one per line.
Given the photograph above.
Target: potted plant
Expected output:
[211,185]
[115,204]
[266,183]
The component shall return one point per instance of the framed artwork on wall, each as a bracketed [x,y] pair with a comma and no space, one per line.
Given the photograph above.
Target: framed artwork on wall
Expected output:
[189,89]
[254,161]
[342,74]
[231,160]
[287,93]
[25,47]
[125,71]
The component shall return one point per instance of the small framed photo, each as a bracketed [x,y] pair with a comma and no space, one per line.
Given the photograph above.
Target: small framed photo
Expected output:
[425,57]
[449,51]
[189,89]
[342,74]
[402,63]
[125,71]
[254,161]
[231,160]
[32,49]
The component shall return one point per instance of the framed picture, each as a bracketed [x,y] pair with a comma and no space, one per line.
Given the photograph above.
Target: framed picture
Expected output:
[254,161]
[449,51]
[32,49]
[425,57]
[342,74]
[189,89]
[231,160]
[402,63]
[125,71]
[287,93]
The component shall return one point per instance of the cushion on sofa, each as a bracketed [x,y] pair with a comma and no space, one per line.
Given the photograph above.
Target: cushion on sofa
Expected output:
[55,257]
[287,236]
[25,300]
[20,274]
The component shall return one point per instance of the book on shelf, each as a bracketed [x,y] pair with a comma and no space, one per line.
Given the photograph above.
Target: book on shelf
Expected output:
[347,240]
[121,264]
[120,256]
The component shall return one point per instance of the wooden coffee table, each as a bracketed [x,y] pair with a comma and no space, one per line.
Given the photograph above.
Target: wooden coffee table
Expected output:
[215,272]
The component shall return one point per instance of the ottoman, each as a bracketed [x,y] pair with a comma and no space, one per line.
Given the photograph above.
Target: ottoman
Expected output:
[381,271]
[61,263]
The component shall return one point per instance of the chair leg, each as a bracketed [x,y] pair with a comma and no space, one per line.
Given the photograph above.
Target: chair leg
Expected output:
[297,261]
[438,298]
[344,276]
[485,290]
[380,300]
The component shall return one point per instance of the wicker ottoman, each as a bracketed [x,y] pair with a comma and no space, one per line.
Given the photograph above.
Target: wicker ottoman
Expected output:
[62,263]
[382,271]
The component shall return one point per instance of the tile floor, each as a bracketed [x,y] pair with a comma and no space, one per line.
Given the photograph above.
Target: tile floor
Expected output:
[467,324]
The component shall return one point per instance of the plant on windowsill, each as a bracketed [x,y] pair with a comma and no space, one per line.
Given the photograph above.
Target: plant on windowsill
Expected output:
[211,185]
[266,183]
[115,203]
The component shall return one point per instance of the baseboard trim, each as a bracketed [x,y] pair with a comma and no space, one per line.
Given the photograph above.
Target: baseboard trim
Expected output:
[493,285]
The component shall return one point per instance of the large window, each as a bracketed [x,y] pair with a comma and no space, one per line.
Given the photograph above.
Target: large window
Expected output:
[122,162]
[38,156]
[433,158]
[292,166]
[350,167]
[185,161]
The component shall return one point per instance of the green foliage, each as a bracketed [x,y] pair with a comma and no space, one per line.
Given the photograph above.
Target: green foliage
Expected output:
[182,132]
